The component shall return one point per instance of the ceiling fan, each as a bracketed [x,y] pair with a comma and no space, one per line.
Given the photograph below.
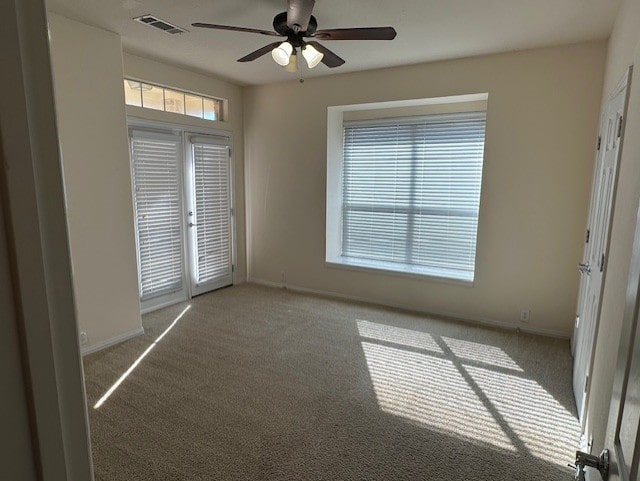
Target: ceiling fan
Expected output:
[297,24]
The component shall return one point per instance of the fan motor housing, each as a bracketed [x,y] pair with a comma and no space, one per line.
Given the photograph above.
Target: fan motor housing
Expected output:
[280,26]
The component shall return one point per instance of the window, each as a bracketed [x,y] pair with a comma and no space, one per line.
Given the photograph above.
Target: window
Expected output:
[148,96]
[409,195]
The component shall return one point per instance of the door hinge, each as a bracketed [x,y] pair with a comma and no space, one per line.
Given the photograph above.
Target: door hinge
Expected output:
[233,268]
[599,142]
[586,384]
[586,240]
[620,127]
[602,262]
[231,211]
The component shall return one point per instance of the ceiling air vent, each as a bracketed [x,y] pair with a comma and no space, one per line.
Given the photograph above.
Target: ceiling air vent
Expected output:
[159,24]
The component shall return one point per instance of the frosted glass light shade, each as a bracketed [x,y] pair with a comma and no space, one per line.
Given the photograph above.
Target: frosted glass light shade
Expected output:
[311,55]
[282,53]
[292,66]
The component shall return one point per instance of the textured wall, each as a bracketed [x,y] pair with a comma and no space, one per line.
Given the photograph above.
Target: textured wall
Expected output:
[541,126]
[87,67]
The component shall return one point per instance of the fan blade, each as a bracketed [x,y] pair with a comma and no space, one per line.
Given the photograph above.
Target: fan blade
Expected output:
[259,53]
[235,29]
[330,59]
[365,33]
[299,14]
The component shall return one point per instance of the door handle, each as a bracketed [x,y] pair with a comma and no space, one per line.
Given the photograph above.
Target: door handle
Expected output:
[584,268]
[601,463]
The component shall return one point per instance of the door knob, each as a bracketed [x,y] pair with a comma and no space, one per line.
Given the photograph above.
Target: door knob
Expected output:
[584,268]
[601,463]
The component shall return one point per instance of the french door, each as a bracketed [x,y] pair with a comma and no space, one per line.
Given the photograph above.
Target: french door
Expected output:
[209,215]
[183,214]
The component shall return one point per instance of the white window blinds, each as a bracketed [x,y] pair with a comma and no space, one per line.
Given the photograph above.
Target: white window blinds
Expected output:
[213,214]
[156,177]
[411,193]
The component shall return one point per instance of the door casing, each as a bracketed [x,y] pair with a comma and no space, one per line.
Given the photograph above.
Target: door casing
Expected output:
[628,358]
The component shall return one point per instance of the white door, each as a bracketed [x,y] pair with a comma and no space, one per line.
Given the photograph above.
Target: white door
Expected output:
[209,218]
[593,265]
[623,441]
[157,195]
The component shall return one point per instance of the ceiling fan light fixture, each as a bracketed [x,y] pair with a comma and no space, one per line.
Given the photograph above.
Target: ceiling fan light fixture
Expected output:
[311,55]
[292,66]
[282,53]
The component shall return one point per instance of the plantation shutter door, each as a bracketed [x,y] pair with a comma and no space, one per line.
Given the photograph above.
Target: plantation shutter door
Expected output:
[157,201]
[411,193]
[211,229]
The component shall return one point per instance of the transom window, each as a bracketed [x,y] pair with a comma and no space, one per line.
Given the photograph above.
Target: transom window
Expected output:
[410,194]
[156,97]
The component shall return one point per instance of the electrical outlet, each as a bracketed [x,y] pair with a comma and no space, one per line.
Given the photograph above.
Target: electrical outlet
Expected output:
[83,338]
[525,315]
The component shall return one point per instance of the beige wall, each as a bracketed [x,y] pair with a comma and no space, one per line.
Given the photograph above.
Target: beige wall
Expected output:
[623,51]
[542,121]
[87,67]
[163,74]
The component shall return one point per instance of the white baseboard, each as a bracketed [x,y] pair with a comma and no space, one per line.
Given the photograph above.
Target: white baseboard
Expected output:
[450,315]
[98,346]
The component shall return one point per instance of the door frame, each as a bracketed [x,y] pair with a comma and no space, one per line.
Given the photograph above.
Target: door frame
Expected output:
[623,83]
[185,130]
[628,337]
[33,203]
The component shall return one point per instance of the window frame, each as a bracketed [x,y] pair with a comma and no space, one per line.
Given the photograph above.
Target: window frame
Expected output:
[335,186]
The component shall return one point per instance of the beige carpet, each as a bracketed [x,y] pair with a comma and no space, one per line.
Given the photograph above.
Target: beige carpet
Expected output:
[255,383]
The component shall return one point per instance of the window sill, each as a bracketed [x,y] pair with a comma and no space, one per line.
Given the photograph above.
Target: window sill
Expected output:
[425,273]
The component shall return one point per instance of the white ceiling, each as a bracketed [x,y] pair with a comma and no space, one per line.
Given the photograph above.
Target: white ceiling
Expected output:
[427,30]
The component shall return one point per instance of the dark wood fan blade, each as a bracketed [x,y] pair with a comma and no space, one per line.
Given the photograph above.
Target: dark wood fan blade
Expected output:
[236,29]
[330,59]
[299,14]
[259,53]
[365,33]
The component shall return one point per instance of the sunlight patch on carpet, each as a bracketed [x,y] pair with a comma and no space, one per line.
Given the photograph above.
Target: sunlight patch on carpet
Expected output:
[126,374]
[474,351]
[547,429]
[431,391]
[466,388]
[397,335]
